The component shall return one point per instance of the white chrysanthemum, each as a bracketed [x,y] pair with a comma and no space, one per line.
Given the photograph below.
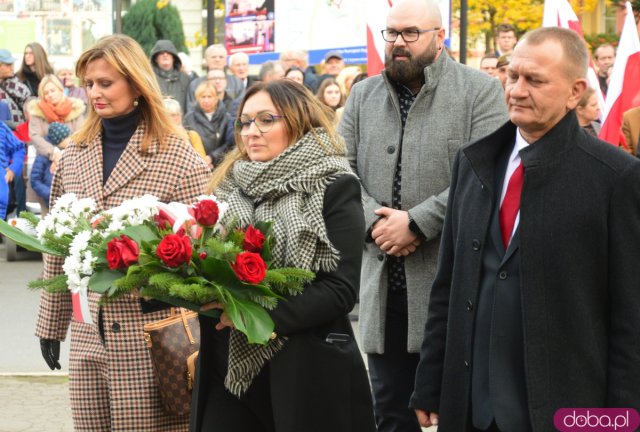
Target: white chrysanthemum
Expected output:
[61,231]
[88,263]
[64,201]
[114,225]
[80,242]
[84,207]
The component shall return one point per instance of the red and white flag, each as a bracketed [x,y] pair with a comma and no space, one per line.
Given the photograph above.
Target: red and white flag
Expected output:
[624,84]
[559,13]
[80,303]
[377,11]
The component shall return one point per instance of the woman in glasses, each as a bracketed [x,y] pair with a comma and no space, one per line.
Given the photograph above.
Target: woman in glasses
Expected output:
[289,167]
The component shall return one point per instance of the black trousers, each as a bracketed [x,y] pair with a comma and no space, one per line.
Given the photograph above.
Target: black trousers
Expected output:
[492,428]
[393,373]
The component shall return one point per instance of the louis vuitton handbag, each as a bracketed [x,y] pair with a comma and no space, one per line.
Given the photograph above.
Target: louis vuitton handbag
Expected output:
[173,344]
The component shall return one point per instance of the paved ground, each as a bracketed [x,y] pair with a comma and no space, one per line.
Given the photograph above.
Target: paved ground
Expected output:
[32,398]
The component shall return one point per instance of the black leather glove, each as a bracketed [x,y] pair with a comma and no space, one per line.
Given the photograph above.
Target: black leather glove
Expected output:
[51,352]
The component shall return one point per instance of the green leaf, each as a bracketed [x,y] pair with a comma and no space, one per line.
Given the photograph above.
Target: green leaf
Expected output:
[102,280]
[251,319]
[53,285]
[25,240]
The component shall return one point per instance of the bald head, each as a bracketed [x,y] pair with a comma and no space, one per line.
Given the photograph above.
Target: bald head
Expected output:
[426,12]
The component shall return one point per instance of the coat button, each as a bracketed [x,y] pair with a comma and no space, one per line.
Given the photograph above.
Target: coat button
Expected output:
[391,149]
[115,327]
[469,305]
[380,257]
[502,275]
[466,364]
[475,244]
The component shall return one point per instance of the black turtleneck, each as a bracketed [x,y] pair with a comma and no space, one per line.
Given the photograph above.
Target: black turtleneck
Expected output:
[116,133]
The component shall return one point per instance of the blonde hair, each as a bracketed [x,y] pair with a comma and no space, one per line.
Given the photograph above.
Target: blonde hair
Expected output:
[350,72]
[301,113]
[203,87]
[128,58]
[172,106]
[49,78]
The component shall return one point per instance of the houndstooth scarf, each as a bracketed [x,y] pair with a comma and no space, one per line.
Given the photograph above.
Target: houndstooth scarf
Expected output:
[288,190]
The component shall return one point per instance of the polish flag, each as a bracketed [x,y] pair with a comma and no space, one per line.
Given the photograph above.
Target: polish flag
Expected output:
[559,13]
[80,303]
[624,85]
[377,11]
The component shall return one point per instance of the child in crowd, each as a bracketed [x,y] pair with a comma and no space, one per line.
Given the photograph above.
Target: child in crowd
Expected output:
[42,170]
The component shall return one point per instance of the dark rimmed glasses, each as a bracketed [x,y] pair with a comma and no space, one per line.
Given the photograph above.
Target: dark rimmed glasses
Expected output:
[264,122]
[412,35]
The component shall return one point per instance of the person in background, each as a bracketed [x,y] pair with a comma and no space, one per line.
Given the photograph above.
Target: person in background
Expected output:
[330,95]
[219,80]
[331,66]
[289,167]
[42,170]
[167,67]
[604,56]
[489,65]
[210,120]
[402,129]
[239,67]
[271,70]
[588,112]
[127,147]
[12,91]
[345,79]
[53,106]
[12,153]
[503,66]
[294,73]
[300,58]
[175,114]
[215,57]
[631,130]
[187,66]
[534,302]
[66,74]
[35,65]
[506,39]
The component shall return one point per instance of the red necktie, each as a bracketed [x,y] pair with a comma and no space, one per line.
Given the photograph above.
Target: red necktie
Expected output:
[511,204]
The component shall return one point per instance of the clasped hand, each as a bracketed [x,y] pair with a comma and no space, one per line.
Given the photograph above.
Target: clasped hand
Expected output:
[391,232]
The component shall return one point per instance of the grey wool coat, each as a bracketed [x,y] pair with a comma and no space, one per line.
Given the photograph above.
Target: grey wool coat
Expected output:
[456,105]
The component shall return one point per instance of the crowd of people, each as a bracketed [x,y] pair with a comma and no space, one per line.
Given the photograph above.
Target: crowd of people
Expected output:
[473,213]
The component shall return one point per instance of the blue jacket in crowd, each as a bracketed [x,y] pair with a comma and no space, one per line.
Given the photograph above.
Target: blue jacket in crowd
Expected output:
[41,177]
[12,153]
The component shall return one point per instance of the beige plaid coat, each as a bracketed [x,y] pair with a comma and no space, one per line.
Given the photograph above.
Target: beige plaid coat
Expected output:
[111,382]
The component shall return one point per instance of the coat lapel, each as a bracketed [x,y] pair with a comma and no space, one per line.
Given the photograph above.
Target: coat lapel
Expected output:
[89,162]
[130,165]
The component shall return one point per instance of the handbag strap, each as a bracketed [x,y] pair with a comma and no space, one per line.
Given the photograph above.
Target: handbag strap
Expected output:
[187,328]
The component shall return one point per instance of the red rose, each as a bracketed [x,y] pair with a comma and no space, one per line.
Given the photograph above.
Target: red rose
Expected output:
[174,250]
[253,240]
[206,212]
[122,252]
[250,267]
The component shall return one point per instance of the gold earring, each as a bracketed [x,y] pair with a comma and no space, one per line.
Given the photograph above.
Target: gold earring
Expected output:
[135,102]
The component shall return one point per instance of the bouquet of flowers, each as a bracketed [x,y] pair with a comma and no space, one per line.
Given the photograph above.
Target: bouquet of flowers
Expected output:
[179,254]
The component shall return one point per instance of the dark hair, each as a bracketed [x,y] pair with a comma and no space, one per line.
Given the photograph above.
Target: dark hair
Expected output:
[41,65]
[323,86]
[293,69]
[505,28]
[360,77]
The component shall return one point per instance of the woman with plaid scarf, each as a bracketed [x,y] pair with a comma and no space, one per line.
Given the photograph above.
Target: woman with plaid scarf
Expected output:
[289,167]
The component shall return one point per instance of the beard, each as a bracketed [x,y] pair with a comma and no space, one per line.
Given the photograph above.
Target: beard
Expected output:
[412,70]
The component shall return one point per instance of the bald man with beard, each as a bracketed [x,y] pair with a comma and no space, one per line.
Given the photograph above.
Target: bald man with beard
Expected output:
[402,129]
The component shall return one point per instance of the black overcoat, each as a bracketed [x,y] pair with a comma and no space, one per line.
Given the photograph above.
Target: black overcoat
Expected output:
[579,246]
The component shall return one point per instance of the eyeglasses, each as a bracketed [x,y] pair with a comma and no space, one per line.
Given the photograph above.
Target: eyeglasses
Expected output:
[264,122]
[412,35]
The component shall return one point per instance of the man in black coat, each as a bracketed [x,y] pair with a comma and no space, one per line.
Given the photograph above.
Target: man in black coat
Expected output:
[542,316]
